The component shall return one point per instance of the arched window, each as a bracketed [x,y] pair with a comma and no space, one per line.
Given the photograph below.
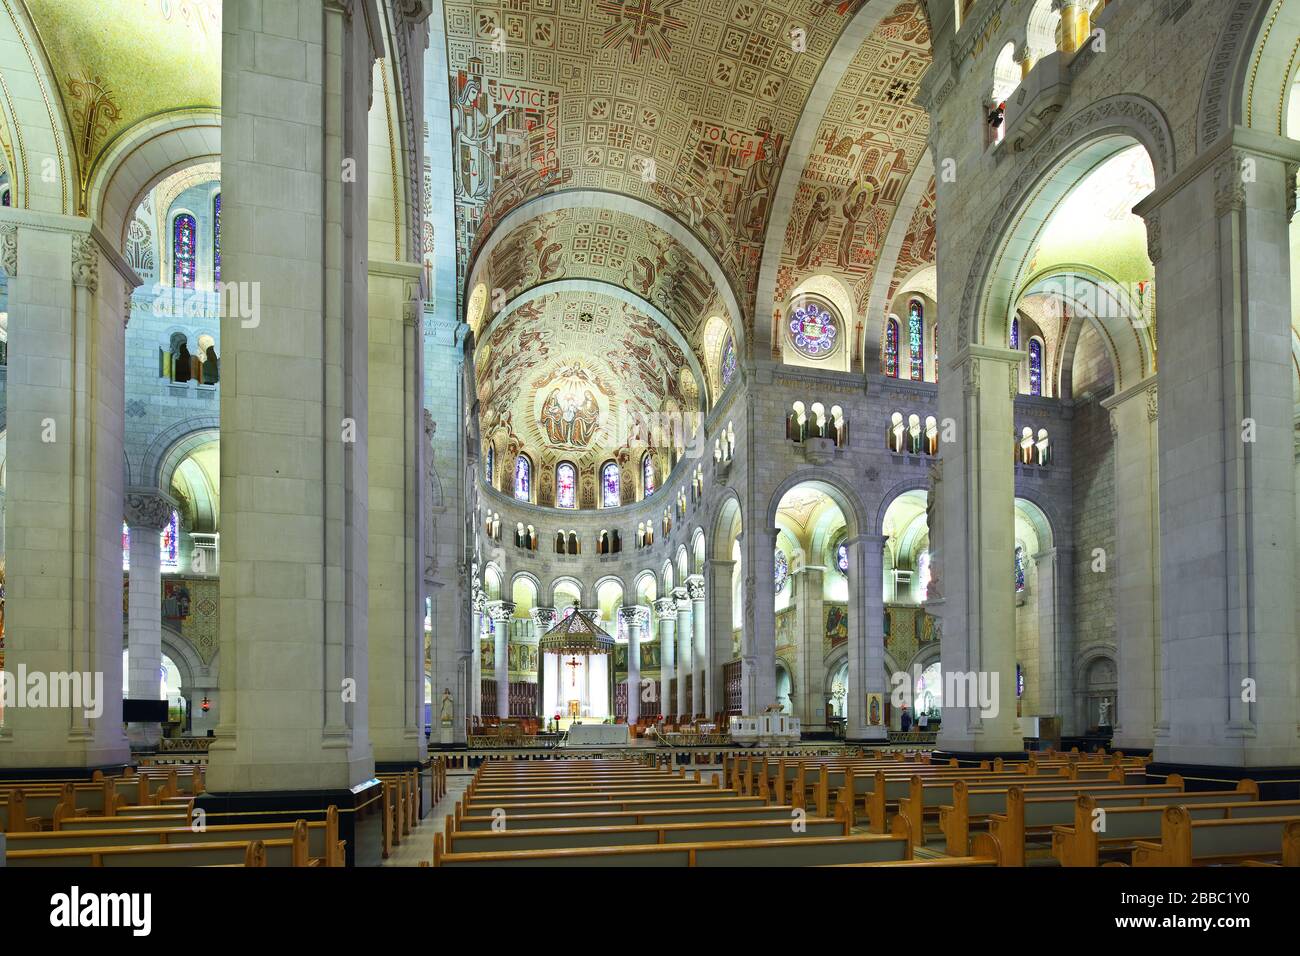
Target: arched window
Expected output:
[780,570]
[891,347]
[216,238]
[916,338]
[523,478]
[1020,569]
[728,362]
[183,246]
[923,576]
[1015,333]
[648,473]
[566,485]
[929,690]
[1035,366]
[842,558]
[814,331]
[490,465]
[934,351]
[609,485]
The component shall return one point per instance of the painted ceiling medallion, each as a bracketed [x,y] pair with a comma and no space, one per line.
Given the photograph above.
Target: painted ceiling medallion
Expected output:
[813,331]
[641,24]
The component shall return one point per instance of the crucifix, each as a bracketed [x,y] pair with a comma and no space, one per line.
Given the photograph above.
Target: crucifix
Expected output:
[574,663]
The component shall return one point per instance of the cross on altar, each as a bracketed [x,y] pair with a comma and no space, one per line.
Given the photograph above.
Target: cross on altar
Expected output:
[574,663]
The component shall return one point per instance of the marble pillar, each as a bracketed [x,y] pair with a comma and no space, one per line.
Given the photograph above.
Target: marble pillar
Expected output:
[68,290]
[758,650]
[685,652]
[147,513]
[500,613]
[1135,424]
[1226,440]
[866,638]
[544,619]
[635,616]
[666,618]
[808,584]
[700,663]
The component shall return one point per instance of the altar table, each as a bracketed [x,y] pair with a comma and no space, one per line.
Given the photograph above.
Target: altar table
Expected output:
[598,735]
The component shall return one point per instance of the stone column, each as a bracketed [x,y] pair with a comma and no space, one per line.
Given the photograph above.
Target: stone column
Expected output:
[1054,697]
[294,643]
[978,644]
[1075,25]
[544,619]
[666,616]
[721,629]
[147,512]
[396,445]
[809,582]
[500,613]
[700,664]
[68,290]
[1135,423]
[866,637]
[758,689]
[476,680]
[635,616]
[1227,491]
[685,651]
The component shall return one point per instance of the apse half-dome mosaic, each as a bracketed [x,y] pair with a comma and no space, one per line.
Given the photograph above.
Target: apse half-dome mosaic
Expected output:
[814,332]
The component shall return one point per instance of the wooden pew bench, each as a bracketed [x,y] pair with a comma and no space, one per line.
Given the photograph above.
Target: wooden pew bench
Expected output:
[233,853]
[1185,841]
[717,799]
[1081,845]
[556,838]
[797,851]
[534,821]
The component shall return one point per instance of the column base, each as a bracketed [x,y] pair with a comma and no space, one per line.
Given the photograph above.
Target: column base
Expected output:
[1220,777]
[360,813]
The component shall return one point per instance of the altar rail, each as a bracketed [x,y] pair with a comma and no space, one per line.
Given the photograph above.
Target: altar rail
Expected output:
[472,757]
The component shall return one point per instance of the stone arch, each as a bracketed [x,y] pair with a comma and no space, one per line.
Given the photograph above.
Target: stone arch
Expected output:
[566,579]
[143,156]
[34,125]
[600,199]
[833,486]
[856,32]
[1088,136]
[1250,69]
[728,514]
[170,446]
[891,495]
[1102,300]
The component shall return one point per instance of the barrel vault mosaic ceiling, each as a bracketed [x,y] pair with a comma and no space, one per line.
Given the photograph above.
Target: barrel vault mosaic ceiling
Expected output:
[689,107]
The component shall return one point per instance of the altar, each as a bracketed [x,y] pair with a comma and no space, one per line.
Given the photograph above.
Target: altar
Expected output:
[598,735]
[577,673]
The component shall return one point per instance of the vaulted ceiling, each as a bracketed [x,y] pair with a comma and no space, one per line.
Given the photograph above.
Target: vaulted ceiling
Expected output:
[641,144]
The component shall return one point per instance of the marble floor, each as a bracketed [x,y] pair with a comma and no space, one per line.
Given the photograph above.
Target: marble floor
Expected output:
[417,846]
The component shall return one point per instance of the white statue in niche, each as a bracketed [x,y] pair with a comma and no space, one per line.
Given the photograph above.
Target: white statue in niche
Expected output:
[1105,712]
[446,713]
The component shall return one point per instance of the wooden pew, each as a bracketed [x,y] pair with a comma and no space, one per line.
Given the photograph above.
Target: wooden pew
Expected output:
[490,841]
[723,798]
[1185,841]
[322,844]
[231,853]
[1081,845]
[534,821]
[796,851]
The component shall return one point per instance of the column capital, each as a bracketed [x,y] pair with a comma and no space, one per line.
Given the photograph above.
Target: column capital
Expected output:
[147,508]
[679,595]
[480,601]
[543,618]
[634,614]
[9,248]
[695,587]
[665,609]
[1145,390]
[500,611]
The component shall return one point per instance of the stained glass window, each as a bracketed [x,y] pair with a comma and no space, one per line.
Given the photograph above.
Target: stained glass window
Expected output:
[813,331]
[168,548]
[916,338]
[929,690]
[566,486]
[609,482]
[1020,681]
[728,360]
[490,465]
[183,242]
[842,558]
[780,570]
[216,238]
[1020,569]
[5,200]
[923,575]
[1015,333]
[891,348]
[523,479]
[648,474]
[935,346]
[1035,367]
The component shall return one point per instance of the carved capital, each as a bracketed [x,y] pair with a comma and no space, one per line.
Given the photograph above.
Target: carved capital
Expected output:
[635,615]
[695,587]
[544,618]
[1230,183]
[480,601]
[665,609]
[1153,403]
[970,376]
[499,611]
[148,509]
[85,263]
[1292,171]
[9,248]
[414,11]
[1154,249]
